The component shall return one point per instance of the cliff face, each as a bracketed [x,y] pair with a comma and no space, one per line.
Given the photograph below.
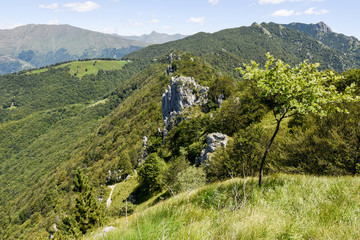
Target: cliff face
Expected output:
[182,93]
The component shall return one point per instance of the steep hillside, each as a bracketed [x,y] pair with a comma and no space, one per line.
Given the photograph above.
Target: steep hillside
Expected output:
[251,43]
[32,46]
[148,134]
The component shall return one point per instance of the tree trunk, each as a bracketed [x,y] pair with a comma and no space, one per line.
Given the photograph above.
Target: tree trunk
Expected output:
[261,171]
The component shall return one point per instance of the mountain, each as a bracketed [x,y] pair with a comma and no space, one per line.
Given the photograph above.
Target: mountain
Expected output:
[155,37]
[324,34]
[243,44]
[140,126]
[33,46]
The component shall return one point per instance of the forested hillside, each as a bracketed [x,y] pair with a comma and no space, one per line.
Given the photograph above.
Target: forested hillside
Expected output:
[228,48]
[169,121]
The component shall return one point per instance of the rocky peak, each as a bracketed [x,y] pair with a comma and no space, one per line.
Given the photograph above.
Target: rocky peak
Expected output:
[182,93]
[322,27]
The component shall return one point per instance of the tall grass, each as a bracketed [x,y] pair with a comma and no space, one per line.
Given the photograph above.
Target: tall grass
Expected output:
[286,207]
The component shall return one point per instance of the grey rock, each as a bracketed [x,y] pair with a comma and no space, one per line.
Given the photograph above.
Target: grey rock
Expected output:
[145,140]
[213,142]
[220,99]
[131,198]
[183,92]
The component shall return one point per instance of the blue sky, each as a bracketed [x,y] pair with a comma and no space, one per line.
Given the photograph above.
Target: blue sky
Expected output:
[135,17]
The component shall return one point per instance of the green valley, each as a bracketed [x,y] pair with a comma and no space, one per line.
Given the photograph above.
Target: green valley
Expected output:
[167,142]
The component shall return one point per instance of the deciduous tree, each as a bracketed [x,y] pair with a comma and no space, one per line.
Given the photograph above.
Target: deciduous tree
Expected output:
[296,90]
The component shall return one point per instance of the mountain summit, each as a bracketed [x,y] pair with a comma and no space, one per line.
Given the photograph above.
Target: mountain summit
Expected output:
[310,29]
[324,34]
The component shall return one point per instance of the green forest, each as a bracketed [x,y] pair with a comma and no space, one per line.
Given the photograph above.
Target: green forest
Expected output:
[74,135]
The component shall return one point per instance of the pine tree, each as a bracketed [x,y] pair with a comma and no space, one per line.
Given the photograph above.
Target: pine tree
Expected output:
[87,212]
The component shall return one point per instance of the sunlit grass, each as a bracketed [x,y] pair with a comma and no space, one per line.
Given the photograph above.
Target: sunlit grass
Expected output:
[286,207]
[82,68]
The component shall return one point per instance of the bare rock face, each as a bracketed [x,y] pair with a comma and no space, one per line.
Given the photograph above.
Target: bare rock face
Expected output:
[182,93]
[213,142]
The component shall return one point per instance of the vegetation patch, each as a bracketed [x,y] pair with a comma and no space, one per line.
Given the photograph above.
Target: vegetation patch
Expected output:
[287,207]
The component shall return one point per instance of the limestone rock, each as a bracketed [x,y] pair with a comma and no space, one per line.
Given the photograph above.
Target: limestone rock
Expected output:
[213,142]
[183,92]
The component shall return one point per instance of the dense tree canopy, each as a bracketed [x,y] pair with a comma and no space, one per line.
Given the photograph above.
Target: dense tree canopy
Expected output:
[296,90]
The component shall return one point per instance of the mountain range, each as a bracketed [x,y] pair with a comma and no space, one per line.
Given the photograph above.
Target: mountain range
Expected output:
[288,42]
[105,116]
[34,46]
[155,37]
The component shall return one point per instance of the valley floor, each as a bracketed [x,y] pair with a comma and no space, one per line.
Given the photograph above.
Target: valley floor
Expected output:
[285,207]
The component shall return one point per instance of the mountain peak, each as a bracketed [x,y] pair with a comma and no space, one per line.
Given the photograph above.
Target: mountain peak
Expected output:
[322,27]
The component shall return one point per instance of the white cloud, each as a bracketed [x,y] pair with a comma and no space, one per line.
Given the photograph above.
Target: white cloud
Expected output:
[213,2]
[288,13]
[311,11]
[167,28]
[53,22]
[109,30]
[283,13]
[53,6]
[10,25]
[82,7]
[199,20]
[135,23]
[154,20]
[263,2]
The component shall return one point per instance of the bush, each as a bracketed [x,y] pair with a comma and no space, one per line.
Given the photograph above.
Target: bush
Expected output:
[239,157]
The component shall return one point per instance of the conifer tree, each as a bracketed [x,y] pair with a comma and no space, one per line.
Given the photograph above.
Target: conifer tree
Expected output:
[87,212]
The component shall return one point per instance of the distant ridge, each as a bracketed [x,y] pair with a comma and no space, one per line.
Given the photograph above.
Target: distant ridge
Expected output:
[324,34]
[34,45]
[155,37]
[240,45]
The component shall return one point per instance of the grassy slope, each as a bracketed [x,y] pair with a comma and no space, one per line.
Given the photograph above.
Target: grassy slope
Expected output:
[82,68]
[287,207]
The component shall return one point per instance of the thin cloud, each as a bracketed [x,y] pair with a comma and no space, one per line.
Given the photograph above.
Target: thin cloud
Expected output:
[53,22]
[154,20]
[135,23]
[199,20]
[82,7]
[53,6]
[283,13]
[263,2]
[213,2]
[275,2]
[10,25]
[167,28]
[288,13]
[311,11]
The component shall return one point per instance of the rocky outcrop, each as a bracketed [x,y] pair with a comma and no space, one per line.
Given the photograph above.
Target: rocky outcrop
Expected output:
[213,142]
[182,93]
[322,27]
